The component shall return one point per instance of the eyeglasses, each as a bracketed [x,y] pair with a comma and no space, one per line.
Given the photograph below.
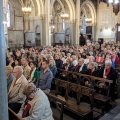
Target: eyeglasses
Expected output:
[15,71]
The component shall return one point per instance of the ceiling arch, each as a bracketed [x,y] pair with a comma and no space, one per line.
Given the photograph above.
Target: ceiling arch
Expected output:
[91,7]
[70,6]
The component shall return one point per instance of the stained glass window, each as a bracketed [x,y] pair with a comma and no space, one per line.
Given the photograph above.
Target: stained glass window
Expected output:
[8,16]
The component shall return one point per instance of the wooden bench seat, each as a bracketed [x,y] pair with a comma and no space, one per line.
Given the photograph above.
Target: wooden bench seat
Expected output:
[78,109]
[76,105]
[101,97]
[80,79]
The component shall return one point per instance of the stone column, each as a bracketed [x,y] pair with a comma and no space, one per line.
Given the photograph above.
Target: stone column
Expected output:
[77,23]
[46,39]
[3,83]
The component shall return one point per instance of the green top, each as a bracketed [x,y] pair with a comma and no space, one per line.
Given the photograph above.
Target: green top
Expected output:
[36,75]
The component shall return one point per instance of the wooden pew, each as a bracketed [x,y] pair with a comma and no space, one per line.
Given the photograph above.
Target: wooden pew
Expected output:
[16,116]
[75,106]
[80,78]
[59,102]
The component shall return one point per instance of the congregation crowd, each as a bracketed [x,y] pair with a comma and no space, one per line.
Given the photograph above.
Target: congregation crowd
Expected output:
[30,73]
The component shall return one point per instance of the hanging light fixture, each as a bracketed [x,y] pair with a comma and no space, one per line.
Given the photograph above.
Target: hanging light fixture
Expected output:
[27,10]
[116,6]
[88,20]
[113,1]
[64,16]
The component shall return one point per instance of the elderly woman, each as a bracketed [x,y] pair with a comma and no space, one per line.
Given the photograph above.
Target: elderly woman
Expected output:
[36,106]
[9,76]
[108,72]
[52,67]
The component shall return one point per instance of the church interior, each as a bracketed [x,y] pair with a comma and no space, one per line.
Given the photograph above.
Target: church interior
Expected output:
[78,42]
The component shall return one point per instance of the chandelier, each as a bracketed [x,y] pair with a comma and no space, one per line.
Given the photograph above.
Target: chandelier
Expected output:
[27,10]
[88,20]
[64,16]
[113,1]
[116,6]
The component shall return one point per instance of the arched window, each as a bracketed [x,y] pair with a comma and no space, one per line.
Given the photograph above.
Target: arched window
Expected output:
[8,16]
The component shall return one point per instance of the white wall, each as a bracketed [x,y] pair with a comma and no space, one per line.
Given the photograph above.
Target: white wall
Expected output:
[106,20]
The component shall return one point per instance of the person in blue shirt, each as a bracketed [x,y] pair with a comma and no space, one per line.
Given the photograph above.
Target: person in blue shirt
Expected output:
[52,67]
[46,77]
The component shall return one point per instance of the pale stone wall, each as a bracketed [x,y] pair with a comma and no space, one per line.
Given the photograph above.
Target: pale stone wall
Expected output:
[106,21]
[16,31]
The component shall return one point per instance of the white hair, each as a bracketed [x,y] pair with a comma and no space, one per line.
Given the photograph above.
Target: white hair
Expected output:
[92,57]
[82,59]
[108,62]
[19,68]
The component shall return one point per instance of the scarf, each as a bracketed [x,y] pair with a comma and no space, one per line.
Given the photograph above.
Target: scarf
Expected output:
[105,74]
[81,68]
[26,111]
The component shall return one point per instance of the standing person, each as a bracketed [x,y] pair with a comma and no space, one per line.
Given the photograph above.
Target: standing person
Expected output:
[46,77]
[34,73]
[26,67]
[15,93]
[36,106]
[82,40]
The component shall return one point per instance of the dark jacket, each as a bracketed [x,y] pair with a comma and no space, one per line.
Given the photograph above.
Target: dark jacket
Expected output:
[59,63]
[111,76]
[94,73]
[53,70]
[84,69]
[70,68]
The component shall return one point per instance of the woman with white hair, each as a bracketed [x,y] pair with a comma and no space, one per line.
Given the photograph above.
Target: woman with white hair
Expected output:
[108,72]
[36,105]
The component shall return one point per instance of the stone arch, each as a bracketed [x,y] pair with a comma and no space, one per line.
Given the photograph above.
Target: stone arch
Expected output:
[70,6]
[91,7]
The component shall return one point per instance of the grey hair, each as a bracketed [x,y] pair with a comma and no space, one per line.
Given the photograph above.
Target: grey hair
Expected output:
[53,61]
[92,58]
[19,68]
[108,61]
[82,59]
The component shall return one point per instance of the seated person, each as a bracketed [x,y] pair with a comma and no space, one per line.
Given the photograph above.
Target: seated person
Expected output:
[15,93]
[9,76]
[91,71]
[26,67]
[36,106]
[68,66]
[108,72]
[46,76]
[34,73]
[108,57]
[53,67]
[12,62]
[81,67]
[92,59]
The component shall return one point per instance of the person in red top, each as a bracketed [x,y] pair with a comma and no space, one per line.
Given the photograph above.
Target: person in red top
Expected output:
[114,57]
